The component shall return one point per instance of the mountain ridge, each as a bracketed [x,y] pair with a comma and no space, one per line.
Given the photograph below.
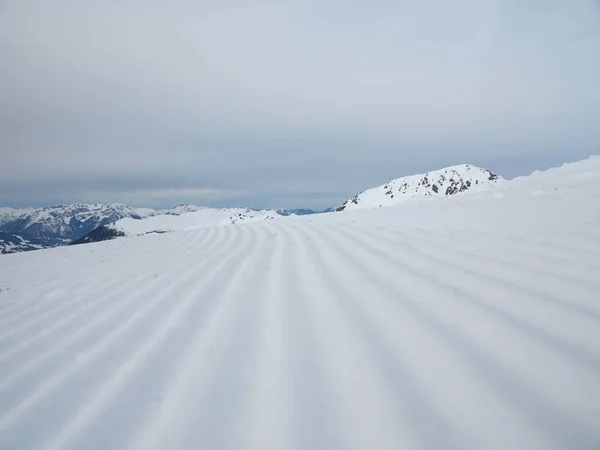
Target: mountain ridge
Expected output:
[447,181]
[36,228]
[25,229]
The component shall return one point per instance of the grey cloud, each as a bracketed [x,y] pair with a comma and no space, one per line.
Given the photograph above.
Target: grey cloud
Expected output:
[268,101]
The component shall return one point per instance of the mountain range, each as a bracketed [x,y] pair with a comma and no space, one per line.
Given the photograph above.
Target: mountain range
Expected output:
[31,228]
[37,228]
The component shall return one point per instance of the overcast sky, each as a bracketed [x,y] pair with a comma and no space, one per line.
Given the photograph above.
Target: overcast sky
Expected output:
[286,103]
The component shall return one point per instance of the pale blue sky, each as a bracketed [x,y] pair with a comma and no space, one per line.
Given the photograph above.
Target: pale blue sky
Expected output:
[296,103]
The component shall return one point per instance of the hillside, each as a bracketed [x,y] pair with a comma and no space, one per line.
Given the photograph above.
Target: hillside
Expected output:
[465,324]
[449,181]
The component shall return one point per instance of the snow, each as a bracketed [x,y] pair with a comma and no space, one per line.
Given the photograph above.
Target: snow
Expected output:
[439,183]
[179,209]
[202,218]
[56,220]
[469,323]
[144,212]
[7,213]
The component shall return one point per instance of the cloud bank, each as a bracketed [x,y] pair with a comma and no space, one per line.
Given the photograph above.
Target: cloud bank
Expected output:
[298,103]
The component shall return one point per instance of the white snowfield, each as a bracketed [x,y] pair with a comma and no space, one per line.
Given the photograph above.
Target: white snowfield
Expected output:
[468,323]
[201,218]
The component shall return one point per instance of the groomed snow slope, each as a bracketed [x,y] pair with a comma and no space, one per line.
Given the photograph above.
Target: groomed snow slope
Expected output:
[464,324]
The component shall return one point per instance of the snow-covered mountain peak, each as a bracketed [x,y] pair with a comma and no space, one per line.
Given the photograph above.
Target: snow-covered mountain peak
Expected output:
[448,181]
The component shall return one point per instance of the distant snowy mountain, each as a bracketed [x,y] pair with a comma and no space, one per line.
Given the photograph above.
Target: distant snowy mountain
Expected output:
[36,228]
[248,215]
[13,243]
[102,233]
[449,181]
[178,210]
[301,212]
[57,225]
[169,221]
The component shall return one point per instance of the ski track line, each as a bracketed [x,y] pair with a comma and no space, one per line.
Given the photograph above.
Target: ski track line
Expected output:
[427,368]
[511,264]
[533,293]
[268,421]
[126,372]
[110,291]
[529,402]
[312,409]
[10,307]
[14,311]
[316,425]
[97,321]
[41,267]
[358,376]
[564,346]
[52,383]
[49,384]
[48,313]
[580,340]
[222,392]
[21,309]
[52,310]
[544,249]
[115,287]
[537,295]
[162,426]
[48,307]
[577,249]
[520,398]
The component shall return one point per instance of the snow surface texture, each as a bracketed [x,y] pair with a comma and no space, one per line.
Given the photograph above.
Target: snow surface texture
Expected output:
[449,181]
[472,323]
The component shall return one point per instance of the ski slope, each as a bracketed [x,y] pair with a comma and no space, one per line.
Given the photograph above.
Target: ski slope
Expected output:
[463,323]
